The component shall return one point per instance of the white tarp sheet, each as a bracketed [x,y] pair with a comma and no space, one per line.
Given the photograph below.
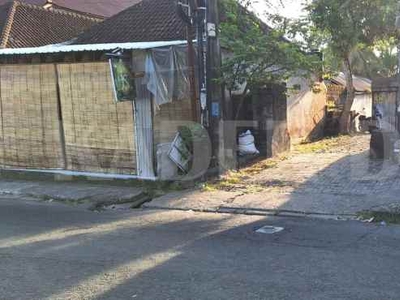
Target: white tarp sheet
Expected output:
[167,74]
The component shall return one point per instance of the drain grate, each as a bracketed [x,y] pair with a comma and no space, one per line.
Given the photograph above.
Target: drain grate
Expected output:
[270,229]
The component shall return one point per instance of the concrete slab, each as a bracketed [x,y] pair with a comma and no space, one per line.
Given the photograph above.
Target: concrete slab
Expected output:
[92,194]
[193,200]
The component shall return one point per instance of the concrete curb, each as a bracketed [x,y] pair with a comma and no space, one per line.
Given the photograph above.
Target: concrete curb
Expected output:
[261,212]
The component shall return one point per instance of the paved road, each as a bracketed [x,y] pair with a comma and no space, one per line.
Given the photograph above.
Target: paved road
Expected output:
[50,251]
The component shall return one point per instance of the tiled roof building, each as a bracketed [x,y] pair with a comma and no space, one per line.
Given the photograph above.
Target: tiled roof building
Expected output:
[28,25]
[149,20]
[105,8]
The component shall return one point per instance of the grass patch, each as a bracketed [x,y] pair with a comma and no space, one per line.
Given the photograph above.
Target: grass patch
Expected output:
[269,163]
[228,182]
[259,167]
[324,145]
[241,180]
[379,216]
[238,180]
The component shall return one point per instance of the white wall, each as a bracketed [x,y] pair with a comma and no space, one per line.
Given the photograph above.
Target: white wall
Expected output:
[306,108]
[363,104]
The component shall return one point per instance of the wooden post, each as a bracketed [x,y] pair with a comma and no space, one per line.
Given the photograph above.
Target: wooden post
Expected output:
[214,90]
[192,76]
[60,119]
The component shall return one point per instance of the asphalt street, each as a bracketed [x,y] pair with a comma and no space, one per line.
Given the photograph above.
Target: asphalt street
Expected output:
[53,251]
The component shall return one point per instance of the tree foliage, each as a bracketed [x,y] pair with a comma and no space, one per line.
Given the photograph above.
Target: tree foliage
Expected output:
[257,54]
[384,61]
[351,30]
[380,60]
[347,24]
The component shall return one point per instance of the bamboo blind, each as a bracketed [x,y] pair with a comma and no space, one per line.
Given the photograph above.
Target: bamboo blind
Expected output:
[99,135]
[30,126]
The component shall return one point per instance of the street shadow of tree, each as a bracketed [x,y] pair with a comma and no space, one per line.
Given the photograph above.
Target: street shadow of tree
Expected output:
[151,255]
[237,263]
[343,184]
[92,249]
[347,186]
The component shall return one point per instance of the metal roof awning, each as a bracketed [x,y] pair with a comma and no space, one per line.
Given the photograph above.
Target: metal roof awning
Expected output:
[361,84]
[60,48]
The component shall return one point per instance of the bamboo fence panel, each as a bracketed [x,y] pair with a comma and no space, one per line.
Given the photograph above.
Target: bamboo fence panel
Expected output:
[99,134]
[30,125]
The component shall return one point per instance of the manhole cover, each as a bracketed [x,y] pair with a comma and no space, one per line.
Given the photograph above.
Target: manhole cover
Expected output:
[270,230]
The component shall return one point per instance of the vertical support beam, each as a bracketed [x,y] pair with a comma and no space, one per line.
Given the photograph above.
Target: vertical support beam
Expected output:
[398,77]
[200,21]
[192,75]
[143,114]
[60,118]
[2,160]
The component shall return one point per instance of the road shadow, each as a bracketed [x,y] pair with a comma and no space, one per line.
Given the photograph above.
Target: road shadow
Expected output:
[58,252]
[342,180]
[349,185]
[170,255]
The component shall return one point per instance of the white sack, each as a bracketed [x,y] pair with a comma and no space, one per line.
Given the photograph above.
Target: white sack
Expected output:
[246,144]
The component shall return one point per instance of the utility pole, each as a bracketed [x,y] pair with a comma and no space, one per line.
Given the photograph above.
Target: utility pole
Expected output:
[221,126]
[215,108]
[216,105]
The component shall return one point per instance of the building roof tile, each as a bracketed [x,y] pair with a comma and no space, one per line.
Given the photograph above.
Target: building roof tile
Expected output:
[96,7]
[105,8]
[28,25]
[149,20]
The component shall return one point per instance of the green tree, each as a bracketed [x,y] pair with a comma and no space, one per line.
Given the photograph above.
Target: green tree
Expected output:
[349,28]
[379,60]
[256,54]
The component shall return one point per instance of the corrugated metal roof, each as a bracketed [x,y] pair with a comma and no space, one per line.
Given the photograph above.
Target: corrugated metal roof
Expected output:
[361,84]
[91,47]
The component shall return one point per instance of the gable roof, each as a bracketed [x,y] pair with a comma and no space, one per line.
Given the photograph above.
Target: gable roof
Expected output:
[105,8]
[27,25]
[149,20]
